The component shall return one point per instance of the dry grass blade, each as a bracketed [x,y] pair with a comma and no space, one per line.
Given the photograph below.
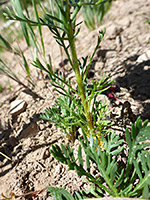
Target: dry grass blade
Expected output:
[33,195]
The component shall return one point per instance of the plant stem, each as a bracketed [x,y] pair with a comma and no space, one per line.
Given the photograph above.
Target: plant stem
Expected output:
[76,68]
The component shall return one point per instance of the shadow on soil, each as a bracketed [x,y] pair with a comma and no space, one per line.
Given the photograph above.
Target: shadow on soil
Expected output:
[133,76]
[8,143]
[34,148]
[136,80]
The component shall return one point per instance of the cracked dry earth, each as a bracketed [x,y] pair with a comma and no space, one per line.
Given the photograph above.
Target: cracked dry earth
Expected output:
[124,52]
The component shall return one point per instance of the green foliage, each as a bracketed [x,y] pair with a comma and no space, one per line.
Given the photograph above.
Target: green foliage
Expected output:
[60,193]
[1,88]
[26,3]
[148,21]
[68,112]
[79,107]
[63,26]
[10,32]
[31,41]
[139,133]
[6,43]
[93,14]
[129,179]
[7,71]
[27,29]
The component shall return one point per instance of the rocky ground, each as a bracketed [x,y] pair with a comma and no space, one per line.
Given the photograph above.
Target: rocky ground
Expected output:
[26,139]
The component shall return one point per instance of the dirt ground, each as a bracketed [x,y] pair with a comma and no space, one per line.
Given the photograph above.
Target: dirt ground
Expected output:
[26,139]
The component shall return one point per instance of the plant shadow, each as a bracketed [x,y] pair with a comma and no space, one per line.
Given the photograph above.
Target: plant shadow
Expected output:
[13,164]
[135,77]
[11,142]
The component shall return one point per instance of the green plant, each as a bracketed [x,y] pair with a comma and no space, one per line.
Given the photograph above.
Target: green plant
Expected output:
[68,112]
[31,41]
[7,71]
[148,21]
[118,179]
[78,107]
[1,88]
[8,28]
[93,14]
[63,28]
[26,3]
[10,34]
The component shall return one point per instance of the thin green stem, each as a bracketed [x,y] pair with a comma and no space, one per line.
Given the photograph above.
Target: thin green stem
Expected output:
[76,68]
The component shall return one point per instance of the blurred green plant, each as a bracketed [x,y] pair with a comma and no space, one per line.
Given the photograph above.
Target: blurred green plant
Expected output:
[7,71]
[148,21]
[93,14]
[11,35]
[27,3]
[128,178]
[8,28]
[30,35]
[28,31]
[1,88]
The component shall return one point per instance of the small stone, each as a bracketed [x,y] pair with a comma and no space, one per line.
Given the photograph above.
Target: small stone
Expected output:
[28,130]
[17,107]
[118,43]
[144,57]
[125,22]
[42,126]
[146,68]
[113,31]
[98,67]
[80,131]
[58,170]
[46,153]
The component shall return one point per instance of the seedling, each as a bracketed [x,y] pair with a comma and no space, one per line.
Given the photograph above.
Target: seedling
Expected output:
[65,30]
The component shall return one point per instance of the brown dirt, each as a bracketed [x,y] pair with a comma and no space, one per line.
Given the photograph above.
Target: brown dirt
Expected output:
[124,52]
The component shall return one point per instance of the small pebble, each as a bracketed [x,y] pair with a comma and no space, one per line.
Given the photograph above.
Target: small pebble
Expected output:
[17,107]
